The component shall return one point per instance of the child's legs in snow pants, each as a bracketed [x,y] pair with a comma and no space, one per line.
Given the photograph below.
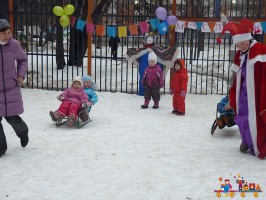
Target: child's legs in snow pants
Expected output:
[66,108]
[179,103]
[152,92]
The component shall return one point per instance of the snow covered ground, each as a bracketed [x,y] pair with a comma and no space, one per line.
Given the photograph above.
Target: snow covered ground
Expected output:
[125,153]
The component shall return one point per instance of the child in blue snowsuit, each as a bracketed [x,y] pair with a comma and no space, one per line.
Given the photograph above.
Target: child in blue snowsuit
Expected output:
[227,115]
[89,87]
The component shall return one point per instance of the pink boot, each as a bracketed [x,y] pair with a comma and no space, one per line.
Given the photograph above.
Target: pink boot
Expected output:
[146,104]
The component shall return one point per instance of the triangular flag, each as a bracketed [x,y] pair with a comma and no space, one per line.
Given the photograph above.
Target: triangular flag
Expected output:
[199,24]
[122,31]
[192,25]
[180,26]
[263,25]
[211,25]
[80,24]
[205,27]
[154,23]
[99,30]
[72,21]
[144,27]
[133,29]
[90,28]
[111,31]
[218,27]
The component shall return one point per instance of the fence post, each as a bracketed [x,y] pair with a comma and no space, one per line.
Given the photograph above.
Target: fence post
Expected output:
[90,3]
[11,17]
[173,38]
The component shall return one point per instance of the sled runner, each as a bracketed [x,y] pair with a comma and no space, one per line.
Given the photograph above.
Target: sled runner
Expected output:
[78,123]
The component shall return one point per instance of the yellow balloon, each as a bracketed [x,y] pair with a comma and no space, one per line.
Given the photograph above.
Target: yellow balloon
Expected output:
[58,11]
[64,20]
[69,9]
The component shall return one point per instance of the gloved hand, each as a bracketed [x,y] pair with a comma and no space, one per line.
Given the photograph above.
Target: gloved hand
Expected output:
[182,93]
[86,104]
[60,98]
[171,92]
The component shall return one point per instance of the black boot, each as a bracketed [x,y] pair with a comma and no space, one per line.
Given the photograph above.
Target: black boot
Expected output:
[3,145]
[20,128]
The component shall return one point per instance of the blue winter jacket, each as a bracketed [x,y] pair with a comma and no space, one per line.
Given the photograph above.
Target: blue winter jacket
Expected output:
[93,98]
[221,106]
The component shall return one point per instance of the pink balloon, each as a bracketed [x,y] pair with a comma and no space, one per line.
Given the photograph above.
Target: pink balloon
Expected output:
[161,13]
[171,20]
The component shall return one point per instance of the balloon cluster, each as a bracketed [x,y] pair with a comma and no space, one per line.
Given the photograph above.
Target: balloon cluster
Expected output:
[63,13]
[161,14]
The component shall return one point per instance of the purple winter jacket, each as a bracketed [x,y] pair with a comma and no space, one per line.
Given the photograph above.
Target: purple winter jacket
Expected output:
[77,96]
[10,94]
[153,76]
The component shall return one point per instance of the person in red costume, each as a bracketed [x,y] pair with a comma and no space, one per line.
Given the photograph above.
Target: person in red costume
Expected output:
[178,87]
[248,92]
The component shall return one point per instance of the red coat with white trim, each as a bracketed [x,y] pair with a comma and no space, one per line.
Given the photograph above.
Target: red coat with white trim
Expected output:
[256,92]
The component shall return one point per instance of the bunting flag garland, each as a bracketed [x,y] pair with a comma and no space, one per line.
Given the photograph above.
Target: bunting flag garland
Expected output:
[144,27]
[80,24]
[111,31]
[122,31]
[72,21]
[215,27]
[133,29]
[263,25]
[90,28]
[154,23]
[100,30]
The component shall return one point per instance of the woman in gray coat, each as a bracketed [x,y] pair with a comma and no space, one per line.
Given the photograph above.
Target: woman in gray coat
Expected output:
[13,69]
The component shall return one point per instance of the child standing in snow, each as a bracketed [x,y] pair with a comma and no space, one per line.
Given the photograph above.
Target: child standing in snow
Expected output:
[72,99]
[89,87]
[178,87]
[152,81]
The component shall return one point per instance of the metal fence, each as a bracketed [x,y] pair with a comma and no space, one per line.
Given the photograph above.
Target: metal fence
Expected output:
[57,54]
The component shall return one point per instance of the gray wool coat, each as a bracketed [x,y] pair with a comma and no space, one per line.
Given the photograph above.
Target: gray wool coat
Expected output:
[10,94]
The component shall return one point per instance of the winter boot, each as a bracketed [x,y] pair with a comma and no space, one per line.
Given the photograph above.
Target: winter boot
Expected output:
[243,147]
[84,115]
[20,128]
[56,116]
[71,119]
[146,104]
[156,105]
[3,145]
[174,112]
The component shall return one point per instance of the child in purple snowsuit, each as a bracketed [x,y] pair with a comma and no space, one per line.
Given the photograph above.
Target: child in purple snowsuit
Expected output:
[152,81]
[11,80]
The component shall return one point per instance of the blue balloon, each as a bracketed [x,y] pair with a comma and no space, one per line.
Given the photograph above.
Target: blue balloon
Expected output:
[163,28]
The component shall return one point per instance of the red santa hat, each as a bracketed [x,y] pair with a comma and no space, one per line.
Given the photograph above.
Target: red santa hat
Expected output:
[239,32]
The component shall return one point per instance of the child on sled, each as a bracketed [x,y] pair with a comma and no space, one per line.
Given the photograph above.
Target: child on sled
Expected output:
[89,87]
[72,99]
[227,114]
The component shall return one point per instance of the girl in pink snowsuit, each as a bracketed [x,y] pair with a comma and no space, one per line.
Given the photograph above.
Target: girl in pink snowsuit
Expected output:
[72,99]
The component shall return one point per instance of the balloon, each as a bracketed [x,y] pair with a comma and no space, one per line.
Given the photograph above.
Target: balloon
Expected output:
[161,13]
[69,9]
[58,11]
[171,20]
[64,20]
[163,28]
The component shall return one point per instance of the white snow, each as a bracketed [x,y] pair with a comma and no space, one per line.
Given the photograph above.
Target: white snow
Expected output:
[124,153]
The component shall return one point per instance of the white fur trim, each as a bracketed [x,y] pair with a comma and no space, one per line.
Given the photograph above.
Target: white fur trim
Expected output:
[251,98]
[252,105]
[241,37]
[234,68]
